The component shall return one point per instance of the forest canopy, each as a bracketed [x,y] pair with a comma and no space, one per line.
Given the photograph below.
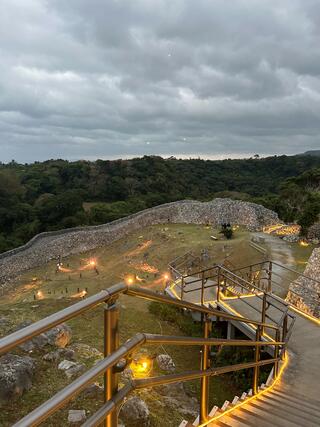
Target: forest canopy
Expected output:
[57,194]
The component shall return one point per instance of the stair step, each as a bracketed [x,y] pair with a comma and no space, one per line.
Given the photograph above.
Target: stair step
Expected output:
[297,411]
[289,397]
[281,414]
[290,404]
[239,420]
[220,424]
[260,419]
[300,397]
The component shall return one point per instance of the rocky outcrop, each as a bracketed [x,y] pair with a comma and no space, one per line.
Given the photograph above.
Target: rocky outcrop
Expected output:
[135,413]
[314,231]
[71,369]
[58,336]
[304,293]
[16,374]
[76,416]
[165,363]
[47,246]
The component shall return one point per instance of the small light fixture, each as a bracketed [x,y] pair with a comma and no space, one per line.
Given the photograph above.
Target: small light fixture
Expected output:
[141,367]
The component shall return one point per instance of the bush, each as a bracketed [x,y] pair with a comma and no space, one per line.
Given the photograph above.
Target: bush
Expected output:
[172,314]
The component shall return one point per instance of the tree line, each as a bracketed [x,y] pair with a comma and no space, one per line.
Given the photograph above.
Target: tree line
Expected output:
[57,194]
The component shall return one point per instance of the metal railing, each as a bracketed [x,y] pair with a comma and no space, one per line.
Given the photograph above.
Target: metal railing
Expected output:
[276,276]
[117,356]
[222,280]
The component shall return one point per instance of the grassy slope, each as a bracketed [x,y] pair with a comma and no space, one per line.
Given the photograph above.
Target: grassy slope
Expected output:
[114,261]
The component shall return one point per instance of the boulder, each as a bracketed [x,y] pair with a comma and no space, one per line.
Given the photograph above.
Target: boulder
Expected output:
[59,336]
[16,374]
[166,363]
[76,416]
[135,413]
[93,390]
[70,368]
[58,354]
[176,397]
[86,352]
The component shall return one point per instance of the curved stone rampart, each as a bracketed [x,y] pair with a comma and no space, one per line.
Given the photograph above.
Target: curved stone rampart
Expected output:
[47,246]
[304,293]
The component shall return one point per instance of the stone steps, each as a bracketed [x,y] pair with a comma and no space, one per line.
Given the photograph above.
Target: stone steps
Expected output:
[276,407]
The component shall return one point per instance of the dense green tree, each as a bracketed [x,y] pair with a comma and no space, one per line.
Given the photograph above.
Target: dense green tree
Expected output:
[49,195]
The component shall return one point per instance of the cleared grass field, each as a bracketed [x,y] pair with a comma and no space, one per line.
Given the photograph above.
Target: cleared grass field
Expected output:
[146,253]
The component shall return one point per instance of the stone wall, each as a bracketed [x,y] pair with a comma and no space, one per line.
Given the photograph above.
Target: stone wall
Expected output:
[47,246]
[304,293]
[314,231]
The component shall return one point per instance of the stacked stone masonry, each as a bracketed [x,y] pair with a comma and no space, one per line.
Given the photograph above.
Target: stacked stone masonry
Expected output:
[304,293]
[47,246]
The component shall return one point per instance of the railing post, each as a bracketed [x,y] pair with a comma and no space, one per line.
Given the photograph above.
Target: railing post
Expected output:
[202,288]
[111,343]
[250,274]
[270,277]
[284,334]
[182,286]
[255,384]
[218,290]
[276,356]
[204,388]
[263,312]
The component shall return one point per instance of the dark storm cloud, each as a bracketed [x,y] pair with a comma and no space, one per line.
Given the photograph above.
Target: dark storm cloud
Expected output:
[118,78]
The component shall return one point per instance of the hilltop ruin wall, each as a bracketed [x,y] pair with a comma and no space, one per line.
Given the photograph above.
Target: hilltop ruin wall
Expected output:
[305,293]
[47,246]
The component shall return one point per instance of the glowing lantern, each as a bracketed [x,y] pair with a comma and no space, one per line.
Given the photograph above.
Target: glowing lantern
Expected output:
[141,367]
[166,276]
[92,263]
[40,295]
[129,280]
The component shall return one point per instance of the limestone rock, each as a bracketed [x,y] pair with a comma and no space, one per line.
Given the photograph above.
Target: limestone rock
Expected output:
[76,416]
[86,352]
[93,390]
[166,363]
[135,413]
[175,397]
[70,368]
[16,374]
[304,292]
[60,336]
[60,353]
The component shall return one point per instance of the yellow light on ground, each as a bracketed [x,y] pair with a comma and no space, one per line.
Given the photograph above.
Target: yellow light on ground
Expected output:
[141,367]
[129,280]
[40,295]
[303,243]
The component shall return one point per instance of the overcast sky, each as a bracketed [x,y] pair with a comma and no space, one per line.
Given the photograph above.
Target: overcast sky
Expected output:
[119,78]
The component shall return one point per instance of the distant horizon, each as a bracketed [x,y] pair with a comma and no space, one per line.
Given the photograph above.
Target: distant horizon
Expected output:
[231,156]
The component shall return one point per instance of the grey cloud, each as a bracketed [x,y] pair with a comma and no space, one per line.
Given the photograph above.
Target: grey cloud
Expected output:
[119,78]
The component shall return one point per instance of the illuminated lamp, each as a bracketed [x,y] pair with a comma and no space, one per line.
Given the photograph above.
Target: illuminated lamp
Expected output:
[141,367]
